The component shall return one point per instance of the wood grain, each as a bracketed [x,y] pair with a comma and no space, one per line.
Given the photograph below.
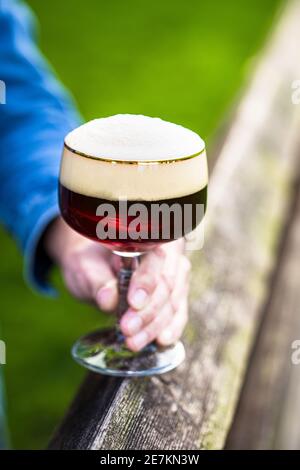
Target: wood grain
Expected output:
[249,192]
[268,413]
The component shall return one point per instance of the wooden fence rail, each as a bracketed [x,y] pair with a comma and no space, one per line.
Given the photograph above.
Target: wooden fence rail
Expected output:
[250,194]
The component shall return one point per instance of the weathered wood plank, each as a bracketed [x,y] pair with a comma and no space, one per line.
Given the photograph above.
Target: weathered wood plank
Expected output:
[287,434]
[268,413]
[249,191]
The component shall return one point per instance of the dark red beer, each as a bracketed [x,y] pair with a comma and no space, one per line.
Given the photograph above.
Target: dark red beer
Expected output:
[80,212]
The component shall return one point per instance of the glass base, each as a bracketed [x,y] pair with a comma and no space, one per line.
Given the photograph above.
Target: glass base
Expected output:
[104,352]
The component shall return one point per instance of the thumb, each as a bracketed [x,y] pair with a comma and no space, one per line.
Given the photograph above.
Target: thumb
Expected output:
[89,276]
[103,282]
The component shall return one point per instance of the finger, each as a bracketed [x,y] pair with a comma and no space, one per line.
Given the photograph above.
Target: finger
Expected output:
[144,280]
[103,285]
[151,331]
[181,283]
[173,253]
[135,320]
[173,331]
[90,277]
[107,296]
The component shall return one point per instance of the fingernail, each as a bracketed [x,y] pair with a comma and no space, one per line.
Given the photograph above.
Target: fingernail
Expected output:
[133,323]
[140,340]
[139,298]
[104,296]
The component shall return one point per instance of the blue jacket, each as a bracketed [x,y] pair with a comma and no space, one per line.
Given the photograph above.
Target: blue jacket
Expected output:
[35,115]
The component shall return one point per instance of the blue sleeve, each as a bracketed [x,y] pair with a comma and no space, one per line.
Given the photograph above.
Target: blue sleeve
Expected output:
[34,119]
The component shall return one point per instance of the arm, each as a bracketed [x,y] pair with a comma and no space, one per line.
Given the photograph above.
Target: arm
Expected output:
[37,115]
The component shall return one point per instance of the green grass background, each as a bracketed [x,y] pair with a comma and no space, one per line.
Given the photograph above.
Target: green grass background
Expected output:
[182,60]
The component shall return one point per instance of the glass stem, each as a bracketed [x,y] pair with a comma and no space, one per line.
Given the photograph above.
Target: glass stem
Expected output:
[128,265]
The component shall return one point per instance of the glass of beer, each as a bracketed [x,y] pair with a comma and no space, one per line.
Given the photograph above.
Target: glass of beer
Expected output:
[131,182]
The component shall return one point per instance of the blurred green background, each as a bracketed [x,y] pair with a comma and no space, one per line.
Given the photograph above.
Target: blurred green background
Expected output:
[184,61]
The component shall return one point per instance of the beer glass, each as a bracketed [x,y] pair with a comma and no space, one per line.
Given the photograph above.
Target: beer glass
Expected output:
[130,205]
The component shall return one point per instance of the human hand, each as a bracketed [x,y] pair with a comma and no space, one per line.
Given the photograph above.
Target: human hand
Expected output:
[158,289]
[157,298]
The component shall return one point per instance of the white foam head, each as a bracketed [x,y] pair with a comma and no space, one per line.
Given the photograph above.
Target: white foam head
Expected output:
[134,157]
[134,137]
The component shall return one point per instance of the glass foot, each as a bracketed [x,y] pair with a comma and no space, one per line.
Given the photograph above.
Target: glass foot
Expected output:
[104,352]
